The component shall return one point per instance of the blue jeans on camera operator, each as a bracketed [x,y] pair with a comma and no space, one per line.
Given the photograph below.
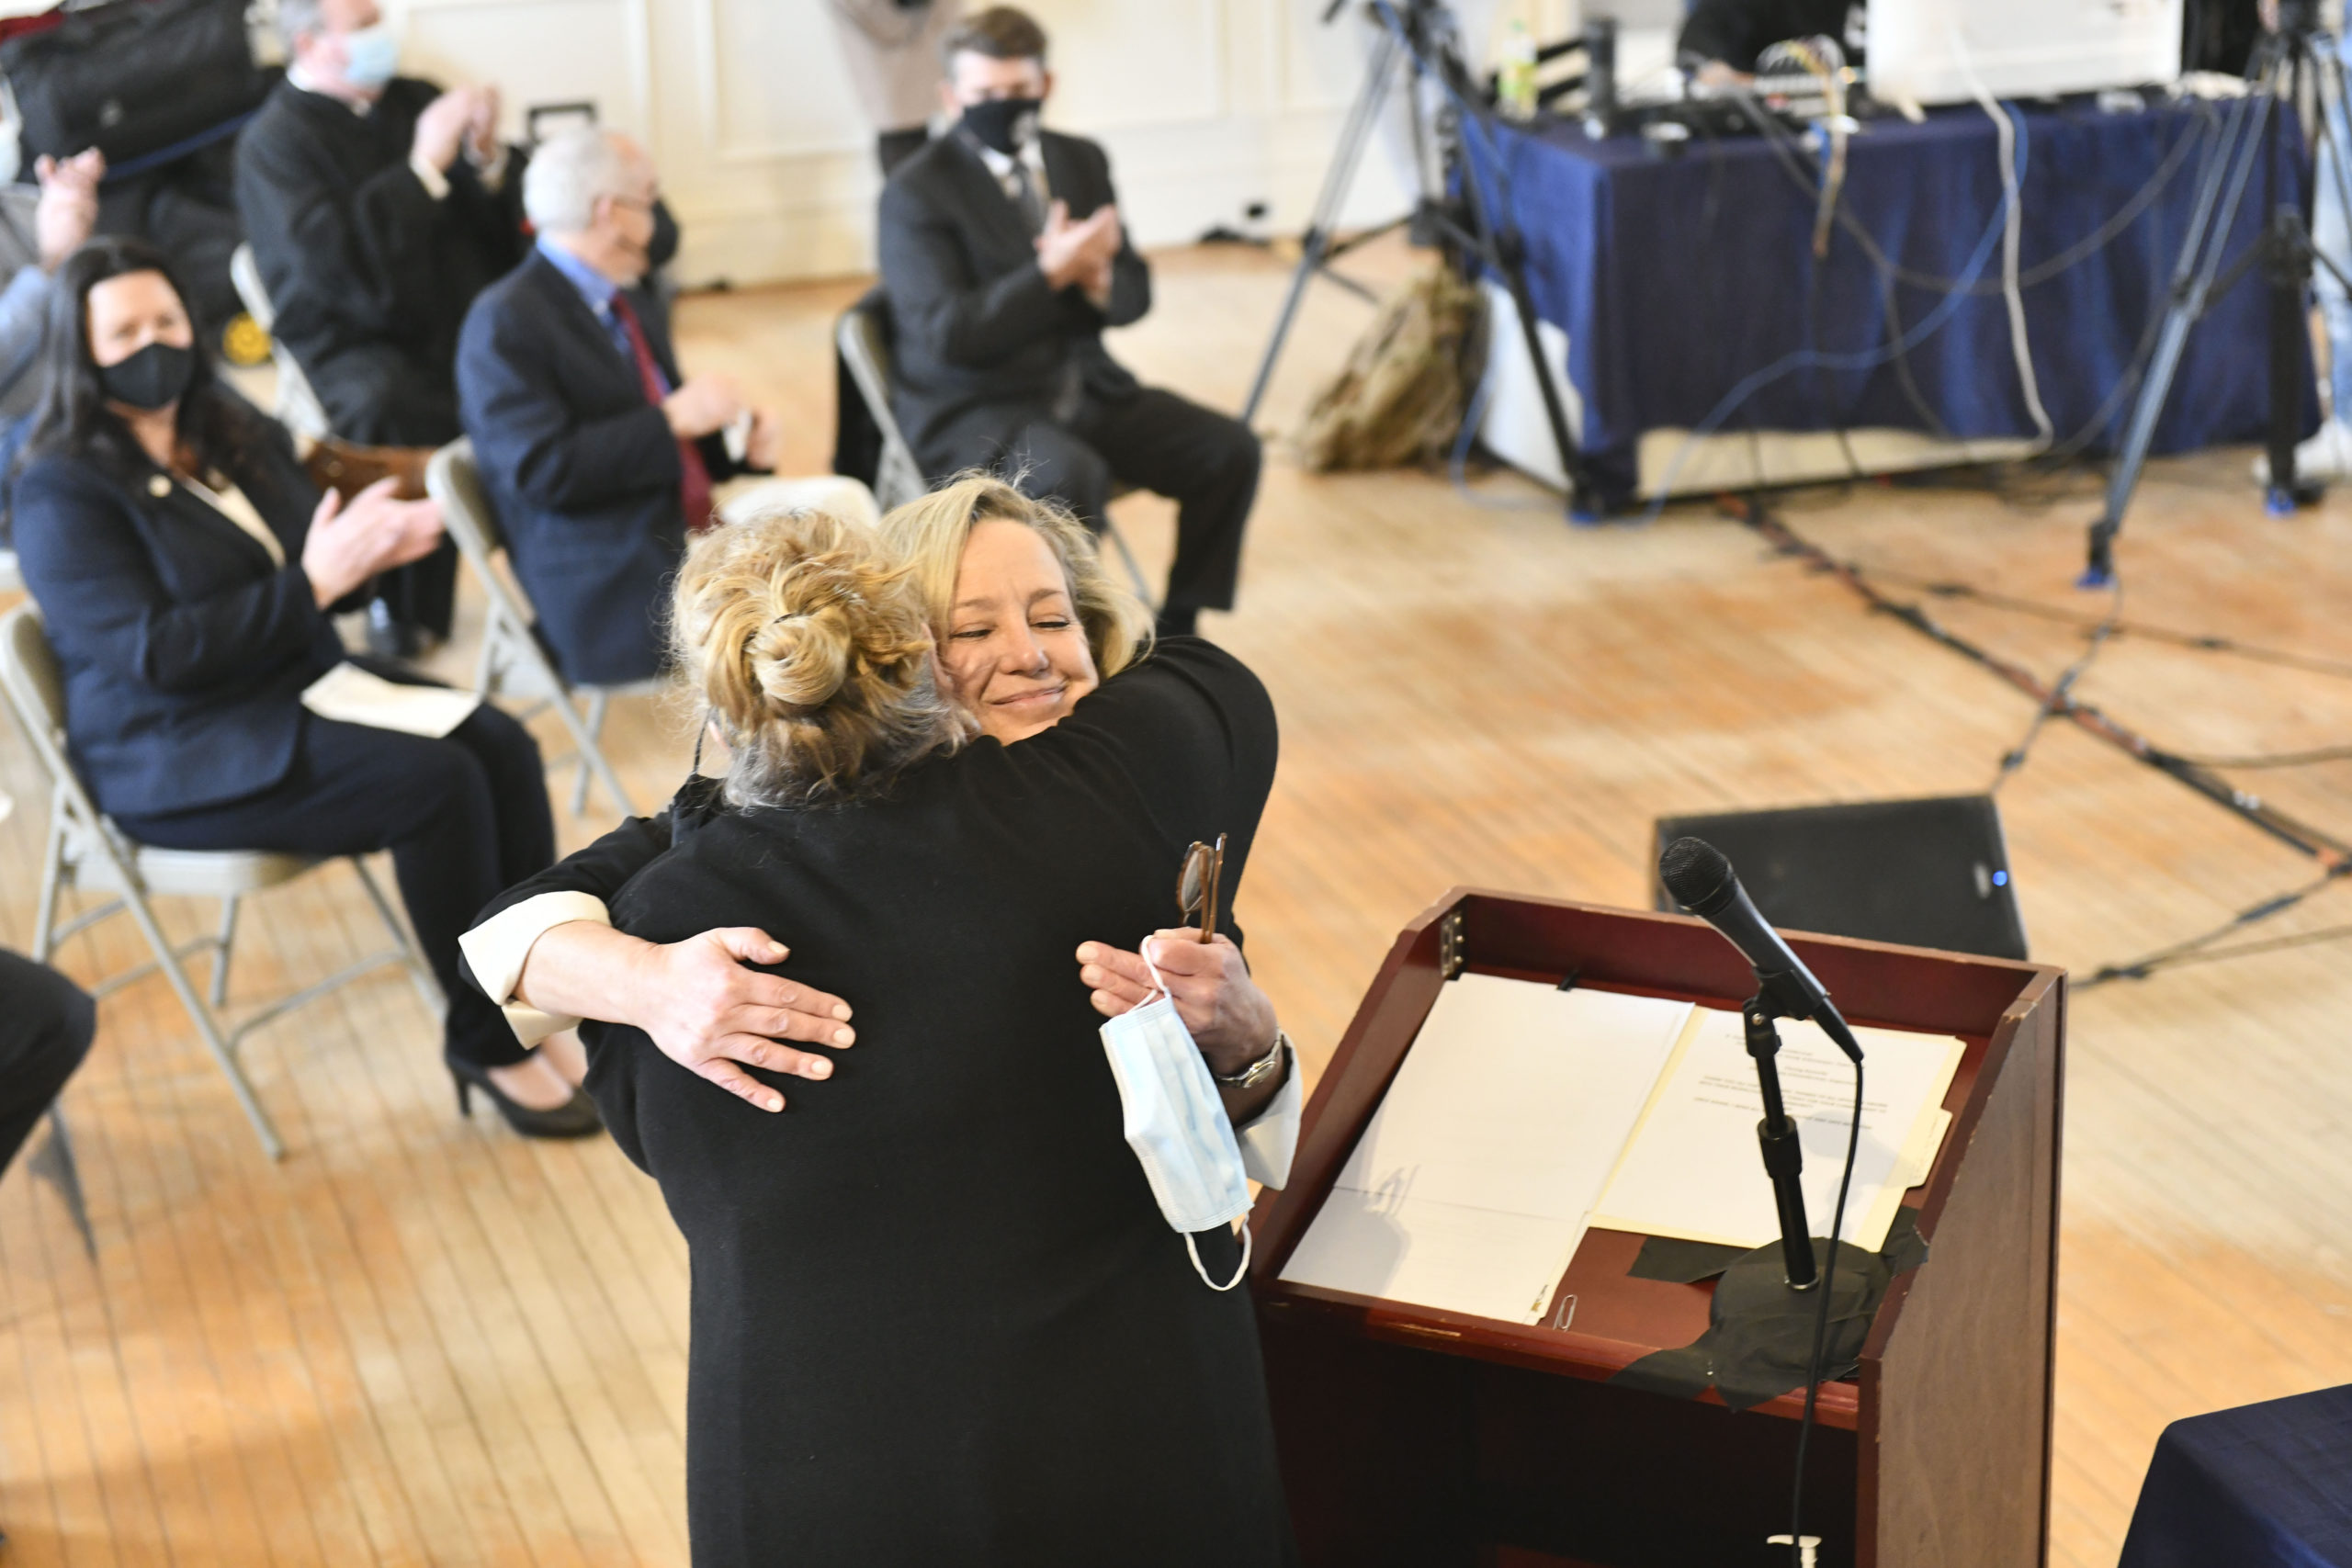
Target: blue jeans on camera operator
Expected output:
[2332,237]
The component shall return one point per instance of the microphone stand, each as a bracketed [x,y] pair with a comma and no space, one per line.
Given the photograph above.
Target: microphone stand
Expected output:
[1783,1156]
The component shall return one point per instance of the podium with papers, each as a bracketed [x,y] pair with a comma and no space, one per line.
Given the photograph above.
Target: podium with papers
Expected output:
[1532,1093]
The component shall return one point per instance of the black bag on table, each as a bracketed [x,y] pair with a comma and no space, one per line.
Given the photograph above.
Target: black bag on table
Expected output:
[132,77]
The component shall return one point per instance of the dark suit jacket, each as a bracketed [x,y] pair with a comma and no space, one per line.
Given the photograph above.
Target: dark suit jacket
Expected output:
[583,468]
[369,274]
[184,651]
[980,339]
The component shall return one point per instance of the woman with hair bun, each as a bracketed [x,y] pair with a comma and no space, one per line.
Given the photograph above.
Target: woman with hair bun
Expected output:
[940,1313]
[1027,622]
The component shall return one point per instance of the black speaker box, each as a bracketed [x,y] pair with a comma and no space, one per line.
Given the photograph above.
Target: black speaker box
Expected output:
[1922,872]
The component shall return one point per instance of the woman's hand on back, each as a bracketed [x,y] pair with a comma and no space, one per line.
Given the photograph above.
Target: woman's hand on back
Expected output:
[707,1010]
[351,542]
[1231,1019]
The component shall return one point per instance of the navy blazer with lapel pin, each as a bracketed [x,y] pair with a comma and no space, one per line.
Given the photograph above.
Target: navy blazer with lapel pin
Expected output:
[184,646]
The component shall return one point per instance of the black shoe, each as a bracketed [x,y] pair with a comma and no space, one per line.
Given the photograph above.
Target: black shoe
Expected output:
[388,638]
[1178,620]
[575,1118]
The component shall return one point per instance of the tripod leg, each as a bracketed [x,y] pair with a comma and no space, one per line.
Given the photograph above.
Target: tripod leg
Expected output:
[1363,116]
[2289,275]
[2219,193]
[1506,251]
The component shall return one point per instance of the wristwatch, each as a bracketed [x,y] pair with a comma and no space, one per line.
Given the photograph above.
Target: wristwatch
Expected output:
[1264,1068]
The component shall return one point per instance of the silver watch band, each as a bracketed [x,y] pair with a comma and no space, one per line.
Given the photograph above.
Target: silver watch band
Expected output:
[1261,1069]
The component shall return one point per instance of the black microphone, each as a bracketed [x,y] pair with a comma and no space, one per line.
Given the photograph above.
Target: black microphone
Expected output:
[1703,882]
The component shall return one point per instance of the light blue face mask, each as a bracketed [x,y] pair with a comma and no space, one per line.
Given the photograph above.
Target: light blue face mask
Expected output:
[370,55]
[1177,1126]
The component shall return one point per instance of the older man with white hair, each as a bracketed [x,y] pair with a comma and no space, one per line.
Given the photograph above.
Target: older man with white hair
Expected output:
[599,456]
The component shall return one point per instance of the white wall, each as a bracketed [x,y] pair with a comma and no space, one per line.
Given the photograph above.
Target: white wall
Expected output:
[1205,106]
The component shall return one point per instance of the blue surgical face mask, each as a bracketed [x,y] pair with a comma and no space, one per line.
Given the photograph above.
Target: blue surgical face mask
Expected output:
[1176,1125]
[370,55]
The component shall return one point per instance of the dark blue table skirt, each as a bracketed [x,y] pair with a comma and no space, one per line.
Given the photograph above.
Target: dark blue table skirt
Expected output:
[2263,1486]
[1676,280]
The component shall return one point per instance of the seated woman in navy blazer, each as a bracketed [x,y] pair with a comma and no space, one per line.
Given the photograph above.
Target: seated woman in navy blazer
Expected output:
[186,567]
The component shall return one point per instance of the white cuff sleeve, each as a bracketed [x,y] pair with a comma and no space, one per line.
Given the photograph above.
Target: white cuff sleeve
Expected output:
[497,948]
[1271,1138]
[436,182]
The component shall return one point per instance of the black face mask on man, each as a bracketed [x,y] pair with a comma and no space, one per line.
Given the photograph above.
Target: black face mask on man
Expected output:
[664,245]
[1003,125]
[155,378]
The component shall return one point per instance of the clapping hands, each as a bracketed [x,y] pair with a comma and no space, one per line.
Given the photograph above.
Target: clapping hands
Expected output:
[463,119]
[68,211]
[1080,253]
[351,542]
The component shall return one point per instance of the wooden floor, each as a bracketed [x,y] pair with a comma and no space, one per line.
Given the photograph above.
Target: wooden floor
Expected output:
[421,1341]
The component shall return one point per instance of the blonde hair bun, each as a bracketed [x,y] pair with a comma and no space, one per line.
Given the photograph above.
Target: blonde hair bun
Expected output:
[813,654]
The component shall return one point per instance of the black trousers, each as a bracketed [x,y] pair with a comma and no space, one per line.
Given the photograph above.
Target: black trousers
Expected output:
[465,816]
[1157,441]
[424,592]
[46,1023]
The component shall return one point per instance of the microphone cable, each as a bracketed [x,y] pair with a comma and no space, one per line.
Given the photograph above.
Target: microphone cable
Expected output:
[2062,693]
[2201,949]
[1821,1327]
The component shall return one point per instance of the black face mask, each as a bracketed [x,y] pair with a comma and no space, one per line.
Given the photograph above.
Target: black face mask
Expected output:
[1002,125]
[152,379]
[660,249]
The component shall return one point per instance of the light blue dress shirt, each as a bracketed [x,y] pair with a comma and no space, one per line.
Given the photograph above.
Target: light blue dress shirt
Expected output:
[598,292]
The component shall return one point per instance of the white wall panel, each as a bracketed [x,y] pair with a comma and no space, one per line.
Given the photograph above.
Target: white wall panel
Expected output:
[772,81]
[537,51]
[1206,107]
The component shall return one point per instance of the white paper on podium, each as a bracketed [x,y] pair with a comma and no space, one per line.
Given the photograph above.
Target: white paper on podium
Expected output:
[1694,1171]
[1471,1187]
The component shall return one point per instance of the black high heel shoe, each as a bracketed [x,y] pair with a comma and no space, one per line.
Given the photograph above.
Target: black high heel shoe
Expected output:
[575,1118]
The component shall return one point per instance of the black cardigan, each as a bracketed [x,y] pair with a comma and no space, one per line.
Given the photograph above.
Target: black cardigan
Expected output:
[937,1317]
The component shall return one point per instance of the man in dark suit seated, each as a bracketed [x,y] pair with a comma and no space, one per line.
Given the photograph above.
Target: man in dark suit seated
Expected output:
[377,206]
[1004,259]
[598,456]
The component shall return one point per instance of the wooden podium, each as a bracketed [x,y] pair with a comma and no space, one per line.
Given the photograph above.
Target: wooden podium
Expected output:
[1429,1439]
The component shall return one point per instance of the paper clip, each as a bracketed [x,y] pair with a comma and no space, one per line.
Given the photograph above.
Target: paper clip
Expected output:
[1566,1315]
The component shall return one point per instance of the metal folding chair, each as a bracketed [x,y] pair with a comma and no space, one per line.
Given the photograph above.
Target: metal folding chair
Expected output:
[512,662]
[88,853]
[862,336]
[299,409]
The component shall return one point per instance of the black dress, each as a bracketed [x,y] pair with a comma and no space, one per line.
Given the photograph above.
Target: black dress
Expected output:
[937,1318]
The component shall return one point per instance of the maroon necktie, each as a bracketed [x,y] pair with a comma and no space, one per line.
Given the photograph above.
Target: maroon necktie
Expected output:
[694,487]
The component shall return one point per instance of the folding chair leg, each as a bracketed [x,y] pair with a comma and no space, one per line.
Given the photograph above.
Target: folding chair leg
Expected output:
[1134,571]
[595,721]
[486,661]
[54,1162]
[419,972]
[221,953]
[134,899]
[584,733]
[52,872]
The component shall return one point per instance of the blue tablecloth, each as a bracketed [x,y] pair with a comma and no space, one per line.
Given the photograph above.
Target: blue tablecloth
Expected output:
[1677,278]
[2263,1486]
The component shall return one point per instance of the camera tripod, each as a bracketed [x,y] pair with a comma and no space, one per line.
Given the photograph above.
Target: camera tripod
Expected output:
[1420,37]
[2291,68]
